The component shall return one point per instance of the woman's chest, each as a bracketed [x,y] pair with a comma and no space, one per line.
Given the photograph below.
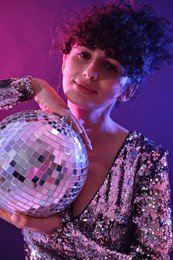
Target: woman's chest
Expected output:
[107,218]
[98,170]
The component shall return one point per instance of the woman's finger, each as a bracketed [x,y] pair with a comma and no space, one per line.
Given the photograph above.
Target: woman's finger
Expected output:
[85,137]
[45,225]
[5,215]
[78,127]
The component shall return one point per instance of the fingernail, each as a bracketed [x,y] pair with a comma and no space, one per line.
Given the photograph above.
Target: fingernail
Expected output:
[79,130]
[15,218]
[89,146]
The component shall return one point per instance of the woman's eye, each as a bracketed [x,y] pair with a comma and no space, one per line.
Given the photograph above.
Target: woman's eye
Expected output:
[111,67]
[83,55]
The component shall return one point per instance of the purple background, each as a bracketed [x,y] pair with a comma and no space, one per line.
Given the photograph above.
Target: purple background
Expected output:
[25,41]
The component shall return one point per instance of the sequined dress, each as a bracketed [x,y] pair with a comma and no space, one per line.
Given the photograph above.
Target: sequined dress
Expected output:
[128,218]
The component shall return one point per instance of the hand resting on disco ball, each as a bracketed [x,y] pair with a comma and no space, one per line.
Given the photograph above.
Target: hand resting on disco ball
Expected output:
[43,163]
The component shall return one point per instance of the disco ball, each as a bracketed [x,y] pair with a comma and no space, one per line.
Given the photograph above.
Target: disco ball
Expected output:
[43,163]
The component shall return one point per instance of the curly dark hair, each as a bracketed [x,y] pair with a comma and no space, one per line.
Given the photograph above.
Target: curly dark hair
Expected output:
[138,38]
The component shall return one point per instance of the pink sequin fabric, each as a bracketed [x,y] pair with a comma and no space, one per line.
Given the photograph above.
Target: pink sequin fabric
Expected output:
[128,218]
[15,90]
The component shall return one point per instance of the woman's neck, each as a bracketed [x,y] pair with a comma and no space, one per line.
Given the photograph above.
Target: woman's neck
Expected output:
[90,117]
[97,122]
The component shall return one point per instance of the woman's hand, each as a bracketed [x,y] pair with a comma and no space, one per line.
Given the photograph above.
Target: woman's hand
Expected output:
[49,100]
[45,225]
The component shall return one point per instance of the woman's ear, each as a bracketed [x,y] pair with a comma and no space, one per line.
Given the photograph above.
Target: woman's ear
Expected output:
[127,93]
[64,62]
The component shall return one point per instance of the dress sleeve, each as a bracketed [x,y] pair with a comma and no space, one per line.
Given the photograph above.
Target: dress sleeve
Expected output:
[151,216]
[15,90]
[152,212]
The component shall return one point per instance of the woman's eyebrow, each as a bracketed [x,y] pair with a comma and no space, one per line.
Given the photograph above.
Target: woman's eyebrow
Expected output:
[111,59]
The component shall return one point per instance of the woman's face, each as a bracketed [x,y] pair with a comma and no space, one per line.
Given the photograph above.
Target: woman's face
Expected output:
[91,79]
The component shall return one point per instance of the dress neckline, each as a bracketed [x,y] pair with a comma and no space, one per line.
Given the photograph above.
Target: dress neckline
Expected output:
[109,172]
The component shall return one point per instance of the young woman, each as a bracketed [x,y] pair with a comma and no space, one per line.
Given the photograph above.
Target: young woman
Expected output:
[123,210]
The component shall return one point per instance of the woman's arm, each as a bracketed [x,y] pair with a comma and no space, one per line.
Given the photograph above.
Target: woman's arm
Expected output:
[16,90]
[152,212]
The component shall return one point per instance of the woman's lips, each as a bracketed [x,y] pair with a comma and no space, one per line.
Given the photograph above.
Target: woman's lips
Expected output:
[85,89]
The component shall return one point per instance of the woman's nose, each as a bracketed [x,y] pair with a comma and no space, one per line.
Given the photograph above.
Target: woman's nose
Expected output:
[90,73]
